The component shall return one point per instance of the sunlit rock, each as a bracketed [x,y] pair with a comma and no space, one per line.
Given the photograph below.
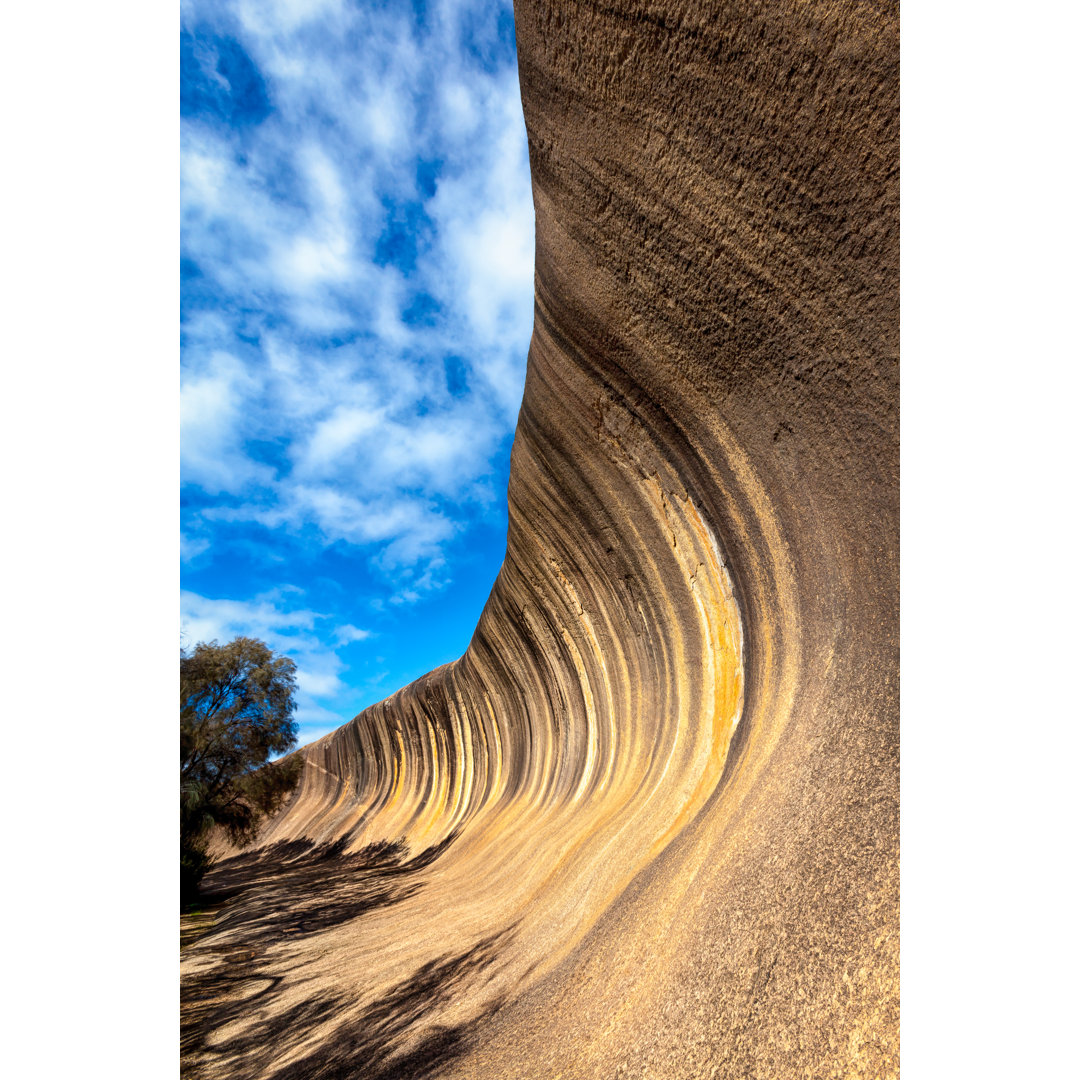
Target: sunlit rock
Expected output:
[648,823]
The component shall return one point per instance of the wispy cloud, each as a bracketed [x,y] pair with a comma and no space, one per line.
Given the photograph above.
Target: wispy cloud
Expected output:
[349,633]
[357,293]
[356,215]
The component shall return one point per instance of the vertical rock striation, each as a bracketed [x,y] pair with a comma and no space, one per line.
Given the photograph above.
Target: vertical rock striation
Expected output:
[658,793]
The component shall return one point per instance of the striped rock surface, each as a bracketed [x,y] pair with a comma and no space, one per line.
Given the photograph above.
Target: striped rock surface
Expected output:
[648,824]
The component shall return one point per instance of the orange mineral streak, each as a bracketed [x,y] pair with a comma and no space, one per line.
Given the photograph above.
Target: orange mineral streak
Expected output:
[588,722]
[647,824]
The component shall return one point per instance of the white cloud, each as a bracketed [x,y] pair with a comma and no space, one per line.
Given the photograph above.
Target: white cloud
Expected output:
[314,723]
[346,634]
[460,114]
[485,260]
[408,530]
[205,175]
[301,339]
[191,547]
[320,252]
[335,435]
[221,620]
[212,426]
[276,17]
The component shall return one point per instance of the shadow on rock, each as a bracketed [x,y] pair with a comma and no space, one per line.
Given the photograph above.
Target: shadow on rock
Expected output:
[285,893]
[388,1040]
[296,888]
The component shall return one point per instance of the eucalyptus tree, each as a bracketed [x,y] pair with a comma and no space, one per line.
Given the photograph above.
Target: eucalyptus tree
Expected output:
[236,706]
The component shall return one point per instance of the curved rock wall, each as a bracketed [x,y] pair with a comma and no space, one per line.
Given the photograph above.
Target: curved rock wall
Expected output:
[659,790]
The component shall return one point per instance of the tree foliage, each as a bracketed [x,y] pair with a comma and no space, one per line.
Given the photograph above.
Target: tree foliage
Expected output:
[236,706]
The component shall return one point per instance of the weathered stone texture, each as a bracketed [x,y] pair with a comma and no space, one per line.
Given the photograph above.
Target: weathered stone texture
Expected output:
[664,777]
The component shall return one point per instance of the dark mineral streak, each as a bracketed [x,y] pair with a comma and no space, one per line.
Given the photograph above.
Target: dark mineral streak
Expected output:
[648,824]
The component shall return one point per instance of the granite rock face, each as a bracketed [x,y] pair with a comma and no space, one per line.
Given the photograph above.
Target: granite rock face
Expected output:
[648,824]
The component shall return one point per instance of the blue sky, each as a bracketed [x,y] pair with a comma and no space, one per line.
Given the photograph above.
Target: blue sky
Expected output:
[356,305]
